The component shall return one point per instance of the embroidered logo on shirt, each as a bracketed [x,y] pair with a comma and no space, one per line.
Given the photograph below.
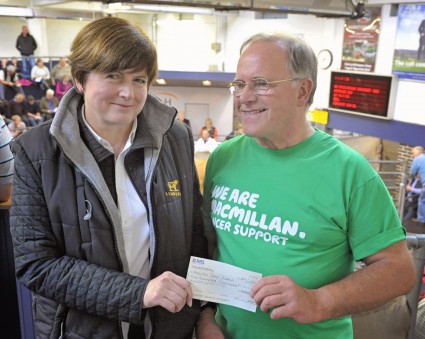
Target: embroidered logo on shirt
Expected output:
[173,189]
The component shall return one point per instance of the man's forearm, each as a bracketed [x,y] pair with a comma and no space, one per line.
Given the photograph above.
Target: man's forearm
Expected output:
[369,287]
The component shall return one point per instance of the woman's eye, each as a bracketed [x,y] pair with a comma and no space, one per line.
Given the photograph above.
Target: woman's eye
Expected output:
[111,76]
[141,81]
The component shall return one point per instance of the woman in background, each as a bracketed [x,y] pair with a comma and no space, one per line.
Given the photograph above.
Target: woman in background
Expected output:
[62,86]
[209,126]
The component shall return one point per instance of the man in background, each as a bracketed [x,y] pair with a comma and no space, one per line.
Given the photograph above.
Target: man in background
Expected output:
[26,45]
[182,117]
[10,80]
[418,168]
[205,143]
[413,191]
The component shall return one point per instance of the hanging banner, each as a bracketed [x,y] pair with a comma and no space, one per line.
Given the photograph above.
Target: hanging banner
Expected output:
[361,41]
[409,49]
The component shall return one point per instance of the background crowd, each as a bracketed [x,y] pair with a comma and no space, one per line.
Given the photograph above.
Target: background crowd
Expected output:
[21,77]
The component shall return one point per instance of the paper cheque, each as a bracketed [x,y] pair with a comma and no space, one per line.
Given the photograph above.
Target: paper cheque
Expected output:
[222,283]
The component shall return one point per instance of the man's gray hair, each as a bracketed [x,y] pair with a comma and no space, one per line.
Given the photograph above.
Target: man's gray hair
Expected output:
[418,149]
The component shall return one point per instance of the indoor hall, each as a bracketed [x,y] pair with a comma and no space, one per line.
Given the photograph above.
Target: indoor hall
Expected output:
[198,52]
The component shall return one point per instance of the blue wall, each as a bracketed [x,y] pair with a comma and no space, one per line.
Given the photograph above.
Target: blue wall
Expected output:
[402,132]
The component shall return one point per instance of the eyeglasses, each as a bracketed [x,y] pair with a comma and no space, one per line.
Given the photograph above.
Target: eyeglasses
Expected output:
[258,85]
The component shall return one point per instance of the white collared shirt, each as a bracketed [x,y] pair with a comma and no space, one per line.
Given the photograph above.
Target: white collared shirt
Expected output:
[134,216]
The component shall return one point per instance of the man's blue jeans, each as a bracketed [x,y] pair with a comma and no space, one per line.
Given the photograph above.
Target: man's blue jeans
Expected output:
[421,207]
[27,64]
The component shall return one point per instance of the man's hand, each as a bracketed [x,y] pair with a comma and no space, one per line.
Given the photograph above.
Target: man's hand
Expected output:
[283,298]
[169,291]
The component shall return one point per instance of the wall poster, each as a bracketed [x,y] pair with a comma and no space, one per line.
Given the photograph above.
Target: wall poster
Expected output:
[361,41]
[409,49]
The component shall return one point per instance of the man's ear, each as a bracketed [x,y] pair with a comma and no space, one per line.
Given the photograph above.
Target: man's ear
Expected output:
[306,87]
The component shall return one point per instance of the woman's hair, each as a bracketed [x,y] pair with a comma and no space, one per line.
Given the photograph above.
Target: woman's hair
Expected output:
[302,60]
[112,44]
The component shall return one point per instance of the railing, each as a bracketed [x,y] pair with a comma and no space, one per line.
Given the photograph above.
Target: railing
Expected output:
[393,173]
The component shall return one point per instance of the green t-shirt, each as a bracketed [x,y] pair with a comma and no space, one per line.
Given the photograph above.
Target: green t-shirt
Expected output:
[308,211]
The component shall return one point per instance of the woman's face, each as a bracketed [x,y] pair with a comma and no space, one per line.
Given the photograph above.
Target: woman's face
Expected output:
[114,99]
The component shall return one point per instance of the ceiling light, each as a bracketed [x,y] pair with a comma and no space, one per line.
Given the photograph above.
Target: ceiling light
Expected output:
[174,9]
[17,11]
[161,81]
[118,6]
[206,83]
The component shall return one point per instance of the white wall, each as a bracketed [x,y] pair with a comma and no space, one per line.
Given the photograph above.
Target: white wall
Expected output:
[219,100]
[10,28]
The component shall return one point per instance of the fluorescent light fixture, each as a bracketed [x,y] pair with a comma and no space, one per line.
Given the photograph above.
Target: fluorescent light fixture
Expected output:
[206,83]
[118,6]
[16,11]
[174,9]
[161,81]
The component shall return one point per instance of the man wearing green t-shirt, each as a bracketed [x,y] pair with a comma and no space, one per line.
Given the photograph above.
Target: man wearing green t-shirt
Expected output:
[299,207]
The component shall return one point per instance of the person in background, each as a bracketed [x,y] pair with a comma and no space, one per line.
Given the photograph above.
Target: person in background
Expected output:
[3,63]
[61,69]
[111,262]
[18,65]
[209,126]
[26,45]
[62,86]
[40,75]
[32,110]
[413,190]
[181,116]
[49,104]
[291,202]
[418,168]
[205,143]
[6,162]
[10,80]
[238,131]
[17,126]
[16,106]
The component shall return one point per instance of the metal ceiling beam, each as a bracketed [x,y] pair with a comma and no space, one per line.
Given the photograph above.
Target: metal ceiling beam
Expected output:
[346,8]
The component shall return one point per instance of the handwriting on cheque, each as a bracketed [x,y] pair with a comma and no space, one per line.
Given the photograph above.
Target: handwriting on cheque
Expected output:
[222,283]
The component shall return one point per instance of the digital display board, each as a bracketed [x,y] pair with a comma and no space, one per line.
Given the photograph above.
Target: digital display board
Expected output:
[362,93]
